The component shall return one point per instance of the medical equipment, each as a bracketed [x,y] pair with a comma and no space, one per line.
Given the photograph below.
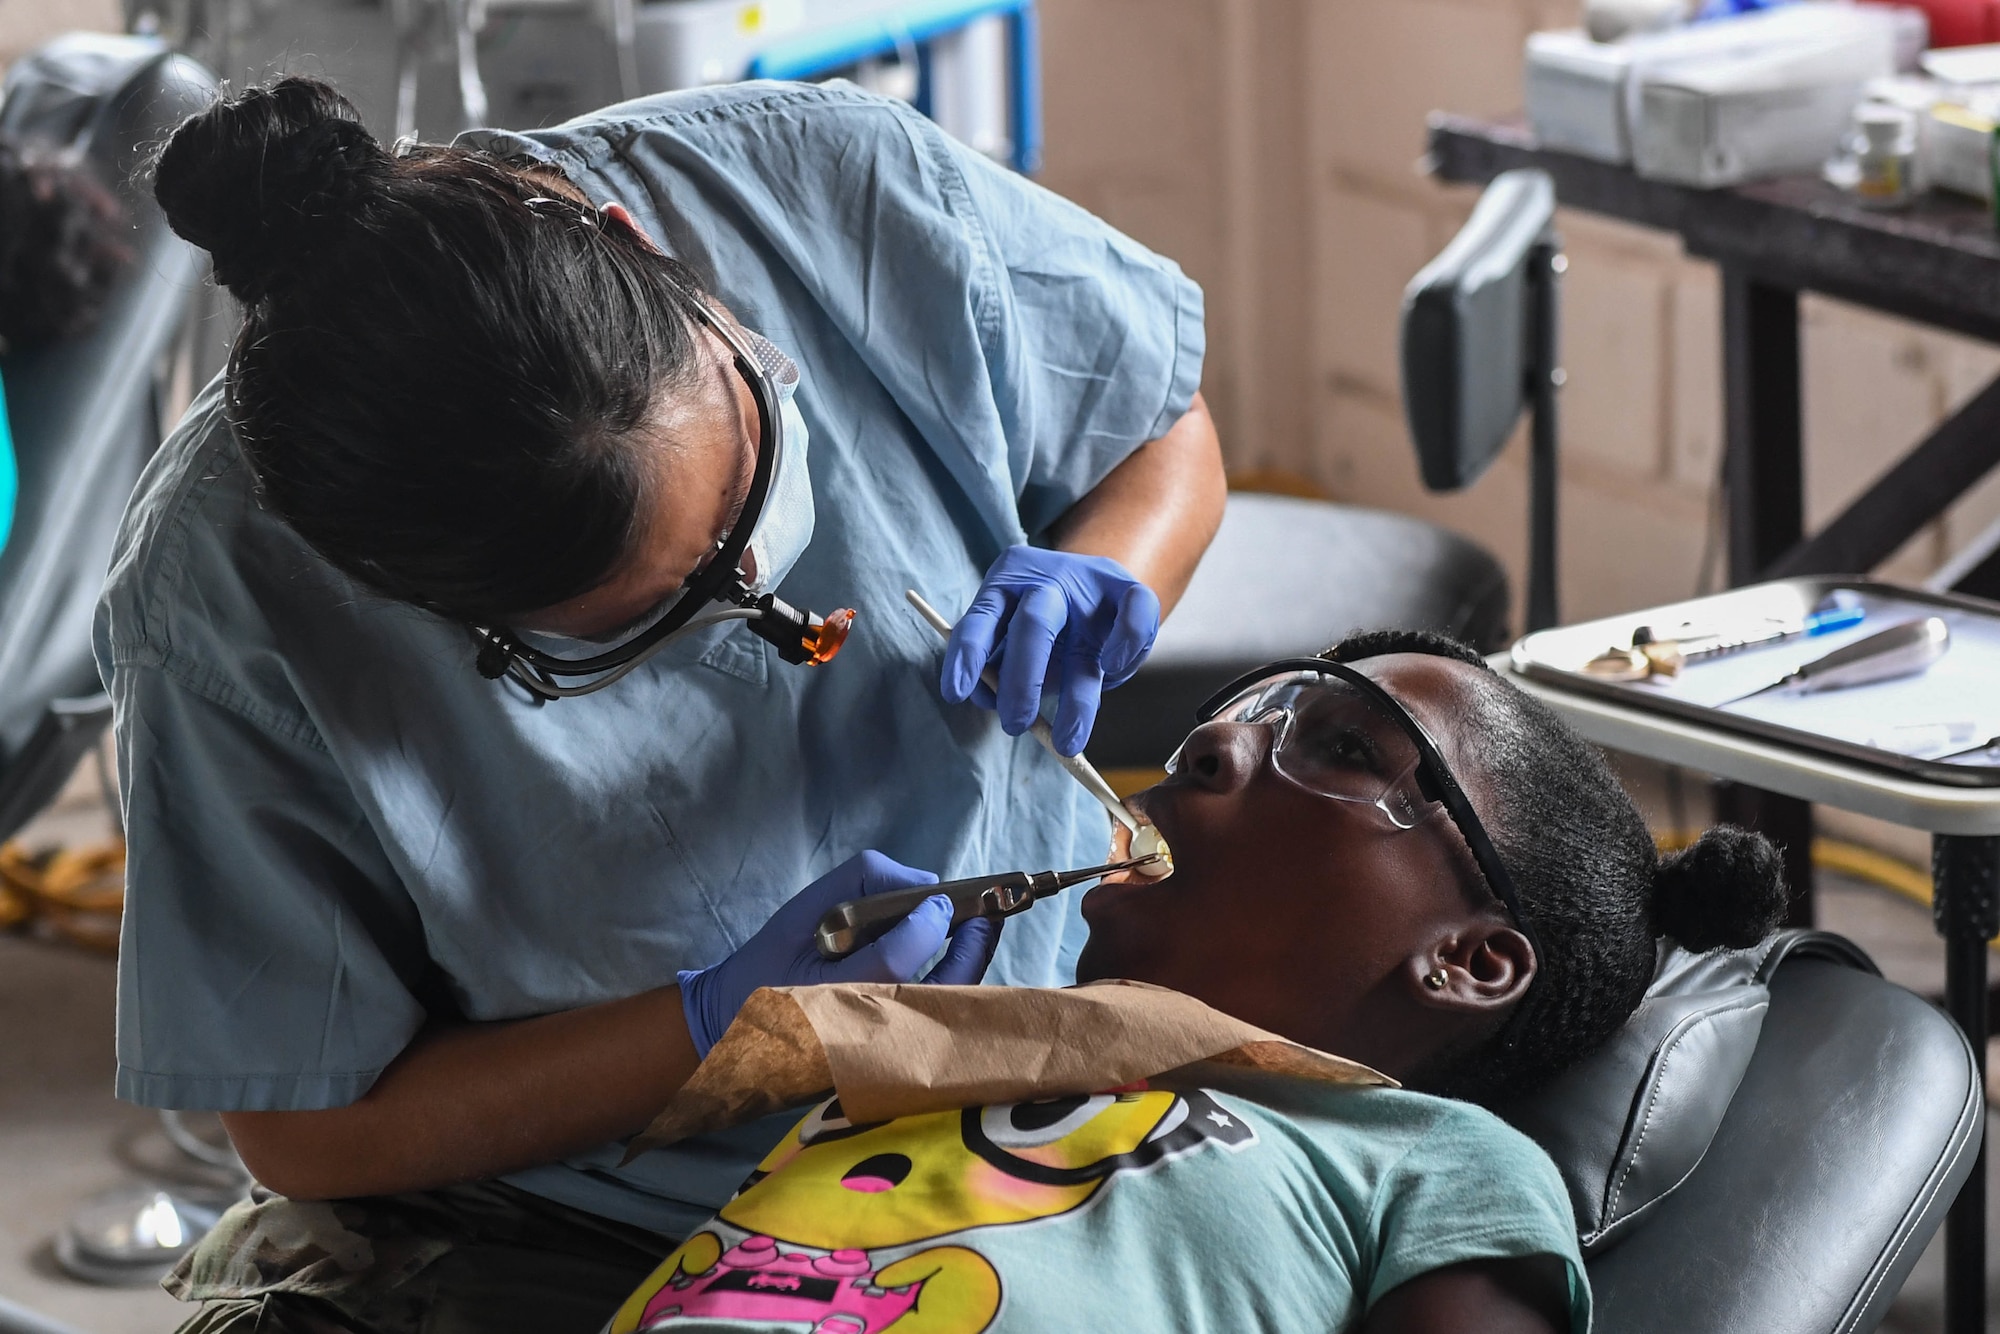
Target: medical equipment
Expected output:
[1652,654]
[1755,1096]
[1879,166]
[1854,727]
[801,637]
[1076,765]
[781,953]
[1990,743]
[1901,650]
[1715,103]
[848,926]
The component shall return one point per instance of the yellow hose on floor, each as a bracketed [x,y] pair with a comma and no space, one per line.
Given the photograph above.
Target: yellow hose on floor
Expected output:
[77,894]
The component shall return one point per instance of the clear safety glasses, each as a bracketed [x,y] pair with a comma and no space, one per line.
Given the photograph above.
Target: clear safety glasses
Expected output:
[801,637]
[1332,740]
[1337,733]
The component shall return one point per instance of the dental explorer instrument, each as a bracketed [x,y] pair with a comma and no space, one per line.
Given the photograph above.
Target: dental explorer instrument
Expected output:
[1079,768]
[1655,653]
[1989,743]
[1901,650]
[848,926]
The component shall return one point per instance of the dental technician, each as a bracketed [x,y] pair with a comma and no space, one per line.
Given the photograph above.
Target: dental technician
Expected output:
[451,845]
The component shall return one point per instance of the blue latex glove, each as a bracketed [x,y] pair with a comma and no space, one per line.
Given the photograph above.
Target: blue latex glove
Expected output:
[1076,625]
[782,953]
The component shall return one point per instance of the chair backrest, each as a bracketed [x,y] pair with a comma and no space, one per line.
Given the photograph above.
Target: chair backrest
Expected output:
[1799,1203]
[1481,341]
[1849,1137]
[85,412]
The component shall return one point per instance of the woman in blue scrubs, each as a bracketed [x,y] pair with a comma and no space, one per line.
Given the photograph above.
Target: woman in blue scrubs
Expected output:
[434,930]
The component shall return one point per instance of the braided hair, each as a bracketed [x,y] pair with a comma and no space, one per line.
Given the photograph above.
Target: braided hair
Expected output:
[1591,884]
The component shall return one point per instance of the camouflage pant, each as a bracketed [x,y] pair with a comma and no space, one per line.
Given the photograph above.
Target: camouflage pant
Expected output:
[479,1259]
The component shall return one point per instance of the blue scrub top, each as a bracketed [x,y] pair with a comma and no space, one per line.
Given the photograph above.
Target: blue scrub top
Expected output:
[334,820]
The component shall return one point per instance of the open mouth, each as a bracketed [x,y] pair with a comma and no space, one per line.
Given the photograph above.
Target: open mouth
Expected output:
[1125,844]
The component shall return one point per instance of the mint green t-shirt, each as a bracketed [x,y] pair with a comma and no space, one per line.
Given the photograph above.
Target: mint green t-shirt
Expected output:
[1178,1213]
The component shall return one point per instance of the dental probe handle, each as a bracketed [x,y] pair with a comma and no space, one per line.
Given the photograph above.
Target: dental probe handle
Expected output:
[1079,768]
[848,926]
[1901,650]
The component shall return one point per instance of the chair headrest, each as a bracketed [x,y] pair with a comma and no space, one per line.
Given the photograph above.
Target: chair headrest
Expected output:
[1629,1123]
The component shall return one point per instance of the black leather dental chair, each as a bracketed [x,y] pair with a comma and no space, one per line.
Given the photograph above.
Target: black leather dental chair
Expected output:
[85,412]
[1287,577]
[1767,1145]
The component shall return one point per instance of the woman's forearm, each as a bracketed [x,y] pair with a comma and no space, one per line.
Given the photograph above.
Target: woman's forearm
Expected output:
[1156,512]
[472,1101]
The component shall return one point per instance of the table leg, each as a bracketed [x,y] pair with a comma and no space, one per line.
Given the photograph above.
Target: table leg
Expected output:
[1763,470]
[1965,905]
[1763,484]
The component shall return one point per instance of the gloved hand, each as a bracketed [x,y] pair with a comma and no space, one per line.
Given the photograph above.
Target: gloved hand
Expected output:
[1077,624]
[782,953]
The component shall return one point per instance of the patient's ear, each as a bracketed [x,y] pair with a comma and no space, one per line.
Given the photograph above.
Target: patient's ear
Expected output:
[1478,966]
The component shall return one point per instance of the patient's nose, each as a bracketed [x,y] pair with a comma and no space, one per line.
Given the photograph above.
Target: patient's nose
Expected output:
[1223,756]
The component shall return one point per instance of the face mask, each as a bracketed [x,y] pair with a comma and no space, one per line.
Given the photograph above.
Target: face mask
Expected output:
[785,527]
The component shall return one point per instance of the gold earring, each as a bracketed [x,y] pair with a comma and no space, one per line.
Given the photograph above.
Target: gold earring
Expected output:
[1435,979]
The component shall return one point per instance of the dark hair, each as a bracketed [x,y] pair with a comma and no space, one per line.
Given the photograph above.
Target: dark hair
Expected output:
[1594,889]
[62,247]
[445,363]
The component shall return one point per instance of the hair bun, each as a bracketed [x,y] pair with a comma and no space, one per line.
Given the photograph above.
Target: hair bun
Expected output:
[1724,890]
[260,179]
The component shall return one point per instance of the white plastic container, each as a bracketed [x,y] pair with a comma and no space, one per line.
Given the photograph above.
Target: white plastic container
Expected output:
[1586,97]
[1774,107]
[1958,149]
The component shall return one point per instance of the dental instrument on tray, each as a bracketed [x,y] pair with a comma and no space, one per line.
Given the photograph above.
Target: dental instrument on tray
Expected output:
[848,926]
[1082,770]
[1990,743]
[1654,654]
[1901,650]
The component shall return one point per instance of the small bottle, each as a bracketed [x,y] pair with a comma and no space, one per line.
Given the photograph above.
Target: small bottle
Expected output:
[1884,148]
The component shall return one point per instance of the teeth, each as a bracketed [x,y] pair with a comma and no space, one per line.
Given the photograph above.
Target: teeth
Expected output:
[1146,843]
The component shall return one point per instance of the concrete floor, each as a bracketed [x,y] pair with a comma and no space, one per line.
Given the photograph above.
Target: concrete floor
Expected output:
[63,1137]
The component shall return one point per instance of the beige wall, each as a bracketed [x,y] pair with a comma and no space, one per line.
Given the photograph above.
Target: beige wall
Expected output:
[1272,146]
[25,24]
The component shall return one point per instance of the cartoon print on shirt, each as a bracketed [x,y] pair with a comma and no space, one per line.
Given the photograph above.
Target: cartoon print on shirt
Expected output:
[803,1244]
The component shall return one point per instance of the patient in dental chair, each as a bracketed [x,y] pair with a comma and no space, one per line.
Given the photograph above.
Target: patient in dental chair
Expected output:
[1422,870]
